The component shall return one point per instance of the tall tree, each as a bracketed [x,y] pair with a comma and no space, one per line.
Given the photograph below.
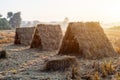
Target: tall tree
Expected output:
[9,14]
[15,21]
[4,24]
[0,15]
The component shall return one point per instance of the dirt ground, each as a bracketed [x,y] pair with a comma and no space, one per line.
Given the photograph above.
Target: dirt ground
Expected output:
[24,63]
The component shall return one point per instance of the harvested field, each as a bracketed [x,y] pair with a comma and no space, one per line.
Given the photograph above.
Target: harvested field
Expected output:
[7,36]
[113,36]
[24,63]
[27,64]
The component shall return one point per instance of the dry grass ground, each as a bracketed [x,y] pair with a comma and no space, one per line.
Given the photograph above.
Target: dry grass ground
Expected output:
[27,64]
[24,63]
[114,37]
[6,36]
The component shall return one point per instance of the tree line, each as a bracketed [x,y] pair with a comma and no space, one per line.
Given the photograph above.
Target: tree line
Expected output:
[13,20]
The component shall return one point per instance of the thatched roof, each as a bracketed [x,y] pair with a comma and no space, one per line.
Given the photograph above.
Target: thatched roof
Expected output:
[47,37]
[24,35]
[86,40]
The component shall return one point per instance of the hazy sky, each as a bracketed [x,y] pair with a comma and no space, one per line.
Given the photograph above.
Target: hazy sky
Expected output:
[57,10]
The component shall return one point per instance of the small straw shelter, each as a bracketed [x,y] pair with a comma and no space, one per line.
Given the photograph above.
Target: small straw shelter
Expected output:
[24,35]
[47,37]
[86,40]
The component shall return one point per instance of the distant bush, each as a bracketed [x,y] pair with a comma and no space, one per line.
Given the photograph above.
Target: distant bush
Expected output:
[4,24]
[12,21]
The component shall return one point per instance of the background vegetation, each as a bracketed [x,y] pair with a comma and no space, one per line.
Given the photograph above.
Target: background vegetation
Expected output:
[12,21]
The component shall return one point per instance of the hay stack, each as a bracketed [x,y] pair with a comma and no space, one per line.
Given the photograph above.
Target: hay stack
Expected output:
[86,40]
[3,54]
[47,37]
[61,63]
[24,35]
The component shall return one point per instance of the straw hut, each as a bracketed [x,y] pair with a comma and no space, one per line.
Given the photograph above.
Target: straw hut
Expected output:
[86,40]
[47,37]
[24,35]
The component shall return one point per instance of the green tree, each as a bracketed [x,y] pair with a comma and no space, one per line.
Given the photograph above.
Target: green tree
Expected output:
[4,24]
[0,15]
[15,20]
[9,14]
